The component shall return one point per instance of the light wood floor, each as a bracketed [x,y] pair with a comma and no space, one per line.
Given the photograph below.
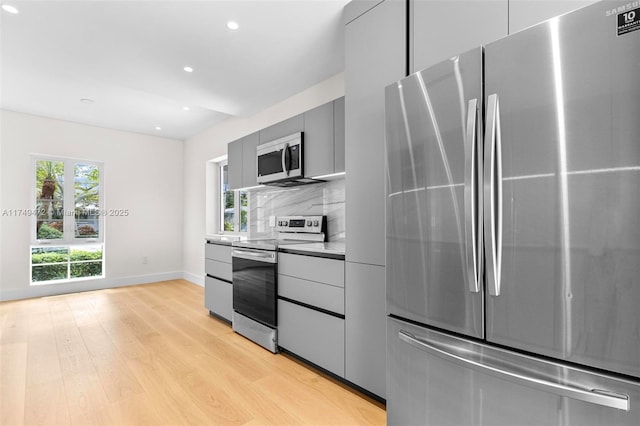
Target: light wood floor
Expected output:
[151,354]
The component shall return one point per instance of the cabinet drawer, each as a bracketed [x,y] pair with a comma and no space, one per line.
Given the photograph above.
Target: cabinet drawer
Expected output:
[218,297]
[218,252]
[320,295]
[218,269]
[329,271]
[316,337]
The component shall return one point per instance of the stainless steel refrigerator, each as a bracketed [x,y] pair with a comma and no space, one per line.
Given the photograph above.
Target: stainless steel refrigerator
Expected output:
[513,229]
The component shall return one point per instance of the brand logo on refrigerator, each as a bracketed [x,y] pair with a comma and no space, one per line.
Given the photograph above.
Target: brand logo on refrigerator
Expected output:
[623,8]
[628,21]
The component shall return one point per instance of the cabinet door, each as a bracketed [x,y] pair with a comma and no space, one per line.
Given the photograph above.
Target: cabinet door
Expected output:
[525,13]
[338,137]
[365,322]
[234,161]
[284,128]
[444,28]
[249,166]
[218,297]
[368,71]
[318,140]
[313,335]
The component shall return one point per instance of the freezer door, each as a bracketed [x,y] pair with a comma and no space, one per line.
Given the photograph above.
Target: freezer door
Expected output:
[563,217]
[433,123]
[437,379]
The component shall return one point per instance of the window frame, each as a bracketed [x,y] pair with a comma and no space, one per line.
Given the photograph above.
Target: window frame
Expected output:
[69,241]
[237,208]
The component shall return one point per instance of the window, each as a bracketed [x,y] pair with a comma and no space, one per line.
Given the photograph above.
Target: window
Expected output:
[67,233]
[234,205]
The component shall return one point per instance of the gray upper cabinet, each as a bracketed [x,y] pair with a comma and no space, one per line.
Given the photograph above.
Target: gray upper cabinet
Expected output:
[525,13]
[284,128]
[338,138]
[249,162]
[318,141]
[242,162]
[441,29]
[234,161]
[367,72]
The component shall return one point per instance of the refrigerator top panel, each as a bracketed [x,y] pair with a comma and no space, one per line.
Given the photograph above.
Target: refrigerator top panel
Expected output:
[566,257]
[433,120]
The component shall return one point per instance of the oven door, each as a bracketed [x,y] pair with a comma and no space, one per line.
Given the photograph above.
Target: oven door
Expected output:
[254,285]
[280,159]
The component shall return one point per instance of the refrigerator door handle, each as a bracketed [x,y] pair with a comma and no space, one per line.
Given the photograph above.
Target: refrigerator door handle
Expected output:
[493,194]
[595,396]
[470,194]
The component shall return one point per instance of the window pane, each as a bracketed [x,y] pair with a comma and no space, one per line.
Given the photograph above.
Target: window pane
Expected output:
[49,199]
[244,207]
[86,262]
[228,212]
[86,183]
[50,263]
[49,272]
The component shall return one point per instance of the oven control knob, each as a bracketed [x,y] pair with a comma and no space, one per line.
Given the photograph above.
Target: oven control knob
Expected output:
[316,223]
[308,223]
[285,223]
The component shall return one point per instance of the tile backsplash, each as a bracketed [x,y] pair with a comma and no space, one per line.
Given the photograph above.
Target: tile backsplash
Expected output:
[326,198]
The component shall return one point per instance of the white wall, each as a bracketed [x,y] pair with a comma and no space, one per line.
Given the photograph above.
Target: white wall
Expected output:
[143,174]
[212,143]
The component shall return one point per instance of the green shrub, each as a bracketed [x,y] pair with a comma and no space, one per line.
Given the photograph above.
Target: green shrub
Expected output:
[49,256]
[46,232]
[48,272]
[88,269]
[85,255]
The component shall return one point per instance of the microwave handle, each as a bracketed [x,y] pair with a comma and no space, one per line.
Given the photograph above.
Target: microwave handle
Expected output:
[286,159]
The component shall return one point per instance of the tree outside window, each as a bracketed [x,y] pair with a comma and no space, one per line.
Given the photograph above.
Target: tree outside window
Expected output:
[234,204]
[67,241]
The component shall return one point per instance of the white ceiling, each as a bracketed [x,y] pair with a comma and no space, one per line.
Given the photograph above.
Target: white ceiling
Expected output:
[128,57]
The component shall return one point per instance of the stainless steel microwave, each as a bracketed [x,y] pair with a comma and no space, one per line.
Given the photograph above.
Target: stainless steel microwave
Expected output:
[281,161]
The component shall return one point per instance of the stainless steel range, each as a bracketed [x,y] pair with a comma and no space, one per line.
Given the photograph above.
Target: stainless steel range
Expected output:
[255,277]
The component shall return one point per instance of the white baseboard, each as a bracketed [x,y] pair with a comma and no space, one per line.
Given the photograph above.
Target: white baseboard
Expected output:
[88,285]
[196,279]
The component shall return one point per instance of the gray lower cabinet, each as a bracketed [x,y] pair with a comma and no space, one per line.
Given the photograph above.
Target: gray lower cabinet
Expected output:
[365,324]
[218,287]
[218,297]
[315,336]
[311,309]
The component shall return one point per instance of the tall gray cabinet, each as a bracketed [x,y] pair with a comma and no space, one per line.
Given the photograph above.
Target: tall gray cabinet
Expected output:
[375,56]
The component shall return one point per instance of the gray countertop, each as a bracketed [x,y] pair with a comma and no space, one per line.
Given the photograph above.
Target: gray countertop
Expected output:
[331,249]
[224,240]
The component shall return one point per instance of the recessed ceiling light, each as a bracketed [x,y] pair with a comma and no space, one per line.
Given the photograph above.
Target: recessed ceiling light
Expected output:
[10,9]
[233,25]
[158,128]
[185,108]
[188,69]
[87,101]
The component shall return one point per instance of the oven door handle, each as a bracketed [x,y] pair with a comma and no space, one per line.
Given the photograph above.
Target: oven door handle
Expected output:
[259,256]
